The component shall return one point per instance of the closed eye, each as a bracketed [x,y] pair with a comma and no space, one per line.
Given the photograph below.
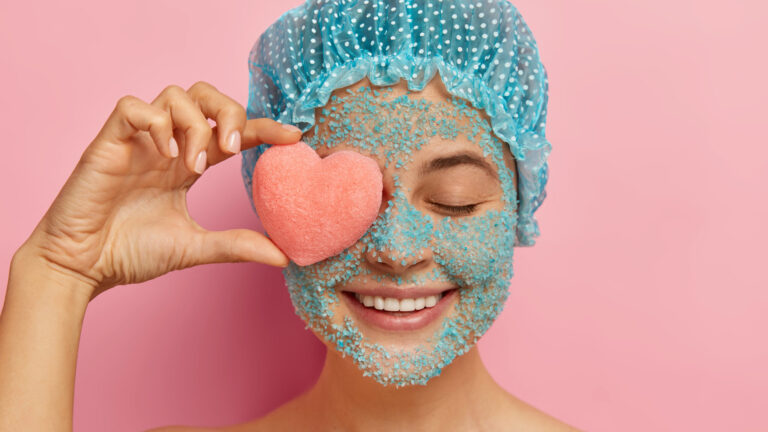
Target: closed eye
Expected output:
[456,210]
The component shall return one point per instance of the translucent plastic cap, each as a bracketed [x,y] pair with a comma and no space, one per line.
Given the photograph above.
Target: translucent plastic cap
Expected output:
[484,52]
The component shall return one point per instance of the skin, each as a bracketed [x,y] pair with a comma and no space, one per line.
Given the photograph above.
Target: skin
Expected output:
[126,189]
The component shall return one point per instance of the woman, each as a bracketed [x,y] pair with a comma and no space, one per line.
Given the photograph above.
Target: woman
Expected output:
[402,308]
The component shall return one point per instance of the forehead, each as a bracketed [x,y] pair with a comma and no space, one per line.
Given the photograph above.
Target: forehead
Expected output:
[397,126]
[392,113]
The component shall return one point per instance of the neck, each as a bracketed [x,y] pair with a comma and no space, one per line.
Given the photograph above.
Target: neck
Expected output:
[343,397]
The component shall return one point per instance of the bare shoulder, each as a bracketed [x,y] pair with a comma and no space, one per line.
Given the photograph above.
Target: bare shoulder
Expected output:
[285,417]
[282,418]
[179,428]
[183,429]
[250,427]
[517,413]
[257,425]
[531,418]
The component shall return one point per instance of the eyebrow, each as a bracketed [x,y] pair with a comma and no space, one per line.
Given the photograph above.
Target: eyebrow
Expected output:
[463,158]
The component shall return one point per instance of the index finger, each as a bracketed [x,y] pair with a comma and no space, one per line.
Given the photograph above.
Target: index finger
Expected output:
[264,130]
[258,131]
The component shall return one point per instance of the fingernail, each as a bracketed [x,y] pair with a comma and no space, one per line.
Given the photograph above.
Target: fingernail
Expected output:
[291,128]
[173,147]
[281,258]
[200,162]
[285,263]
[233,143]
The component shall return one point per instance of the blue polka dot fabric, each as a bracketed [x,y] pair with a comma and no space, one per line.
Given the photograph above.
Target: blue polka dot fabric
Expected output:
[483,50]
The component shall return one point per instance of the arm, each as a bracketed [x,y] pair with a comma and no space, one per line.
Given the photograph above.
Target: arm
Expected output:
[39,335]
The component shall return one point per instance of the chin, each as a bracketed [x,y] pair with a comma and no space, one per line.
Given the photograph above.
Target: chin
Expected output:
[390,349]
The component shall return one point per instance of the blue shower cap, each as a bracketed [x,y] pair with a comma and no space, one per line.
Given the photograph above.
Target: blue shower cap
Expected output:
[484,51]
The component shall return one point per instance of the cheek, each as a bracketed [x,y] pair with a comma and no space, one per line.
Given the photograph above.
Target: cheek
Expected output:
[479,253]
[478,250]
[312,292]
[313,288]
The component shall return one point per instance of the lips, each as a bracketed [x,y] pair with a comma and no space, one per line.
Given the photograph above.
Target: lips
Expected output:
[399,309]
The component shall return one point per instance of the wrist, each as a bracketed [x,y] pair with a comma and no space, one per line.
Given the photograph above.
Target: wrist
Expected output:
[32,272]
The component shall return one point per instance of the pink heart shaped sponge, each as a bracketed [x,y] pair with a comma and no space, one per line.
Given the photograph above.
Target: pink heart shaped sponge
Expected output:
[313,208]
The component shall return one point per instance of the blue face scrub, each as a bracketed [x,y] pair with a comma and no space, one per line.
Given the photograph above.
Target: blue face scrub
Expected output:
[472,251]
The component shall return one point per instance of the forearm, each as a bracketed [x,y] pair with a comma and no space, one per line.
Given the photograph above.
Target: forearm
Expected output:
[39,335]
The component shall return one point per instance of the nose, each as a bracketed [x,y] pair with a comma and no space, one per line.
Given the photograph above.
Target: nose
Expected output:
[400,240]
[388,260]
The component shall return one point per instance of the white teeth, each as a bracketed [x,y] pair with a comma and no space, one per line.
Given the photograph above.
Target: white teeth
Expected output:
[420,303]
[391,304]
[398,305]
[378,303]
[407,305]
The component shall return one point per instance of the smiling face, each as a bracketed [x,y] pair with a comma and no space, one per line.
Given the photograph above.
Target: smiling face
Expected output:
[432,273]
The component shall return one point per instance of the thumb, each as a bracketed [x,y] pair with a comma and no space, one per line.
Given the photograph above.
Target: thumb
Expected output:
[238,245]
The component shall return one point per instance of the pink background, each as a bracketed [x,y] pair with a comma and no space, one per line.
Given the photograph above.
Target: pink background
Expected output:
[642,307]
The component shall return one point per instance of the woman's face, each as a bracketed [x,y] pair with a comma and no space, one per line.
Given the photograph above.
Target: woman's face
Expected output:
[432,272]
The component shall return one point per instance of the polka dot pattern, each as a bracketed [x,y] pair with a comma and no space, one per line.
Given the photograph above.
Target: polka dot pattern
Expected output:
[483,49]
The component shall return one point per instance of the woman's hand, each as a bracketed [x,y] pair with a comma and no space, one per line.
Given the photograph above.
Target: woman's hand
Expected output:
[122,217]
